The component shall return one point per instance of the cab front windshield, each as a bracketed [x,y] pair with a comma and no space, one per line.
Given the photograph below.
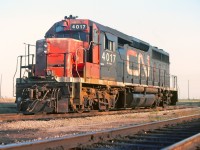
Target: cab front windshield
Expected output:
[79,35]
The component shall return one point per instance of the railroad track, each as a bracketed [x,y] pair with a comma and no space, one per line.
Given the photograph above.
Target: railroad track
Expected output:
[17,117]
[150,135]
[188,133]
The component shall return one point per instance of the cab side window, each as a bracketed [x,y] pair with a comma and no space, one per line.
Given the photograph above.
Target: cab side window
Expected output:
[109,42]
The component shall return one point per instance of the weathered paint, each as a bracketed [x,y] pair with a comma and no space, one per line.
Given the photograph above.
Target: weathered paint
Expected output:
[56,48]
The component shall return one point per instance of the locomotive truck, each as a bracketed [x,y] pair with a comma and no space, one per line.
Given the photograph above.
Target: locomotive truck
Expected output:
[82,65]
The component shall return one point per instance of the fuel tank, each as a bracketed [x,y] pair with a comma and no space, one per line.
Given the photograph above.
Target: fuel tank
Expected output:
[142,100]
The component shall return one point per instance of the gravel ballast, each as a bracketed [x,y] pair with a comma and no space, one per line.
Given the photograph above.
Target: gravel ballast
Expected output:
[21,131]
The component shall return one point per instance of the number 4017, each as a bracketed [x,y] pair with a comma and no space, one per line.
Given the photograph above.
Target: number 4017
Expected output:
[78,26]
[109,57]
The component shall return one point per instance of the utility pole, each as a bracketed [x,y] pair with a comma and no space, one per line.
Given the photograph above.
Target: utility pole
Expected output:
[188,89]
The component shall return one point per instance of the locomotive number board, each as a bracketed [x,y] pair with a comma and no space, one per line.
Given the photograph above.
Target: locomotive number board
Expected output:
[78,26]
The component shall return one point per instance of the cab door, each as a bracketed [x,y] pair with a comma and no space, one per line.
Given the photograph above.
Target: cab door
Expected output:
[108,56]
[92,65]
[95,44]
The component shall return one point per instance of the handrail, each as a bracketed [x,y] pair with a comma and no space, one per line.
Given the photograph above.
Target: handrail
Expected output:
[85,60]
[28,66]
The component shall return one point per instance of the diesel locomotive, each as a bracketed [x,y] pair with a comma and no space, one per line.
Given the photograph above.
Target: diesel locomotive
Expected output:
[82,65]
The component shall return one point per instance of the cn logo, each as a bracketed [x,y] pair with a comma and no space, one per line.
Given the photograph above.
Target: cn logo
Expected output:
[140,62]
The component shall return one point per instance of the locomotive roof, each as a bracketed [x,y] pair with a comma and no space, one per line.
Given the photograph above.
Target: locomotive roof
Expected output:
[127,37]
[115,32]
[160,50]
[107,29]
[118,33]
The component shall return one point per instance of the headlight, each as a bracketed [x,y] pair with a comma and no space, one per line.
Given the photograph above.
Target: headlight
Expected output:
[45,48]
[19,99]
[49,72]
[45,45]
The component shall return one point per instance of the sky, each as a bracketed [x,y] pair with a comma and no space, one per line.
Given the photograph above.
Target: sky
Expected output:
[172,25]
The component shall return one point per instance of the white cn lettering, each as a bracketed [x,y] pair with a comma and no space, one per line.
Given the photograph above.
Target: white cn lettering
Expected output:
[141,63]
[131,71]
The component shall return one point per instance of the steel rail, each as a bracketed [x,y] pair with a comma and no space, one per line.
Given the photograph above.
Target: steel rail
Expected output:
[18,117]
[189,143]
[93,137]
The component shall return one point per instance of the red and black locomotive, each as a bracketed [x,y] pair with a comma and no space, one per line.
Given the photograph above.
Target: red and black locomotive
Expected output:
[82,65]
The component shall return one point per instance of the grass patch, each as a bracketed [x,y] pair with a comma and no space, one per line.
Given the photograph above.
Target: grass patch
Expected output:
[189,102]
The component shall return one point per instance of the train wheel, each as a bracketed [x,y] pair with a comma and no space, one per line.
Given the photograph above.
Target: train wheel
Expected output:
[164,104]
[156,104]
[80,111]
[103,105]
